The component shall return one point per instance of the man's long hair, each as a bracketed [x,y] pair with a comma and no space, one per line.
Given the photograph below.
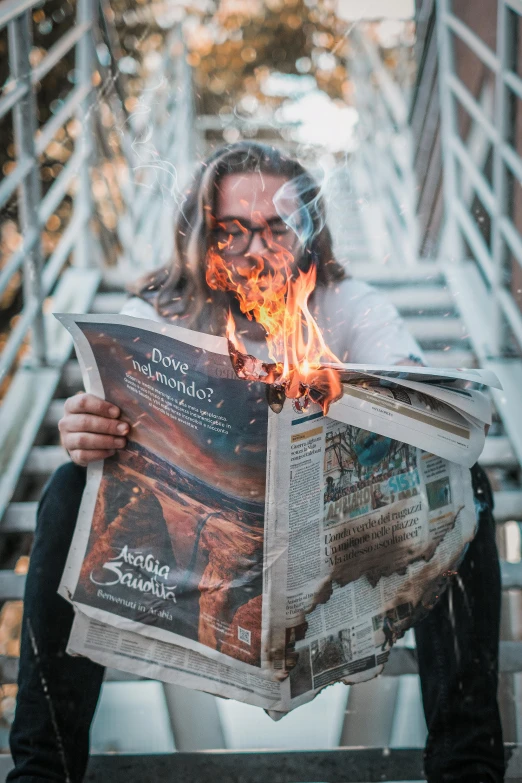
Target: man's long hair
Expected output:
[179,290]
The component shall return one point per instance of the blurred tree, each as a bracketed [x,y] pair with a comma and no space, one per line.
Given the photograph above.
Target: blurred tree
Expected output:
[234,47]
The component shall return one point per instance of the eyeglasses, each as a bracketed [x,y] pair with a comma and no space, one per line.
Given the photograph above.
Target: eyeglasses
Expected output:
[233,236]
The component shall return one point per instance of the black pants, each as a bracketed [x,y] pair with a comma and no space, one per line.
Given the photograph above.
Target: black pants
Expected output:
[457,648]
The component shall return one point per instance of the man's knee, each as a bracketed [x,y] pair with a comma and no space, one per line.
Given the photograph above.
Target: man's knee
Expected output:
[61,498]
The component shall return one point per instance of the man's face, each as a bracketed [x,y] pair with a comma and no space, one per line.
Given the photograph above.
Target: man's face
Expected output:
[249,231]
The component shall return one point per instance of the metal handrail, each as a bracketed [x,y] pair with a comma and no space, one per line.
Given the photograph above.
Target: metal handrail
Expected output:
[460,225]
[384,125]
[20,98]
[141,198]
[142,195]
[34,374]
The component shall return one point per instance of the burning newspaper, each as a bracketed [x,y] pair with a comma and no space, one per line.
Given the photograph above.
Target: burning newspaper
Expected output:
[264,555]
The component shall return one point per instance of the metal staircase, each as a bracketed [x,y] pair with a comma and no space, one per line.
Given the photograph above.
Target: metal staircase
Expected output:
[448,305]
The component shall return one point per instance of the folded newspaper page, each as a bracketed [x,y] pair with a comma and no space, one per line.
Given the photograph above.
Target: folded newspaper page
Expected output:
[258,555]
[414,416]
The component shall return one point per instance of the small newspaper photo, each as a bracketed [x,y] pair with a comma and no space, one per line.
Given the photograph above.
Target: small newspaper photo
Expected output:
[262,555]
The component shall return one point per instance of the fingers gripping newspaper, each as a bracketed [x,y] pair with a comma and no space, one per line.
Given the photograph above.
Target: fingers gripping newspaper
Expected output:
[256,555]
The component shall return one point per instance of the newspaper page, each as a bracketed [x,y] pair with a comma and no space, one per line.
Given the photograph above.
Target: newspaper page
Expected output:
[375,529]
[170,535]
[413,416]
[467,401]
[132,652]
[373,532]
[228,546]
[481,376]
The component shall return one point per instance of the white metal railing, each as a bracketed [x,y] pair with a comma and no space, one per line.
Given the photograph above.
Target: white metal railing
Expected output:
[492,122]
[154,159]
[19,97]
[157,139]
[155,173]
[386,151]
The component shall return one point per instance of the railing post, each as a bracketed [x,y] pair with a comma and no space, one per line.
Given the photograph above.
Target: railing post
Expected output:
[29,191]
[451,241]
[498,246]
[84,247]
[187,153]
[386,147]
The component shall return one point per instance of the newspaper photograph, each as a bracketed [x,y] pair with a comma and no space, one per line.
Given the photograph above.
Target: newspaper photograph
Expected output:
[259,555]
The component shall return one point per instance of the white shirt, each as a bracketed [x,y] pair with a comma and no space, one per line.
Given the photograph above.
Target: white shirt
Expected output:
[358,323]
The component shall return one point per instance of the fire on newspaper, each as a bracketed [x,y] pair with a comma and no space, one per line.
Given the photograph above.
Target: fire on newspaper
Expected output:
[258,555]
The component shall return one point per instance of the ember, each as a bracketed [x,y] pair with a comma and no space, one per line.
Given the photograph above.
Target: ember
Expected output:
[273,296]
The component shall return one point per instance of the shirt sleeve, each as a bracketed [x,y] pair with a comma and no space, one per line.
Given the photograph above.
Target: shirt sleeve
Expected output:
[361,326]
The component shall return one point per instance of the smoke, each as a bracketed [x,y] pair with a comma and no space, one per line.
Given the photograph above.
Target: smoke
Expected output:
[161,175]
[308,219]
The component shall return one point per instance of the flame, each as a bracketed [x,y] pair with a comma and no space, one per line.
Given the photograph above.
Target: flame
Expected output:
[269,293]
[232,335]
[305,349]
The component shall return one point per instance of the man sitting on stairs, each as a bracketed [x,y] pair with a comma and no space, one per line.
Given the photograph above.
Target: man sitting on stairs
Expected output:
[457,643]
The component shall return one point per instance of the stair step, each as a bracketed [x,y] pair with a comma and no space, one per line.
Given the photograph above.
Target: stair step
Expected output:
[450,358]
[351,246]
[43,460]
[404,298]
[420,297]
[511,575]
[19,518]
[498,452]
[430,272]
[508,505]
[109,302]
[347,255]
[436,329]
[349,765]
[54,413]
[11,585]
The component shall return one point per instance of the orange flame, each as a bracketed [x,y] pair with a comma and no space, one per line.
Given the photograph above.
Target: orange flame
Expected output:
[305,349]
[268,294]
[232,335]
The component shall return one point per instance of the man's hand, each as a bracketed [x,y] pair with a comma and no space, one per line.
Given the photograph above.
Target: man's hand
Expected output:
[91,429]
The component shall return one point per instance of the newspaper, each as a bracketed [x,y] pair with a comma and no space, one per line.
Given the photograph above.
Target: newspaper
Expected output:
[257,555]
